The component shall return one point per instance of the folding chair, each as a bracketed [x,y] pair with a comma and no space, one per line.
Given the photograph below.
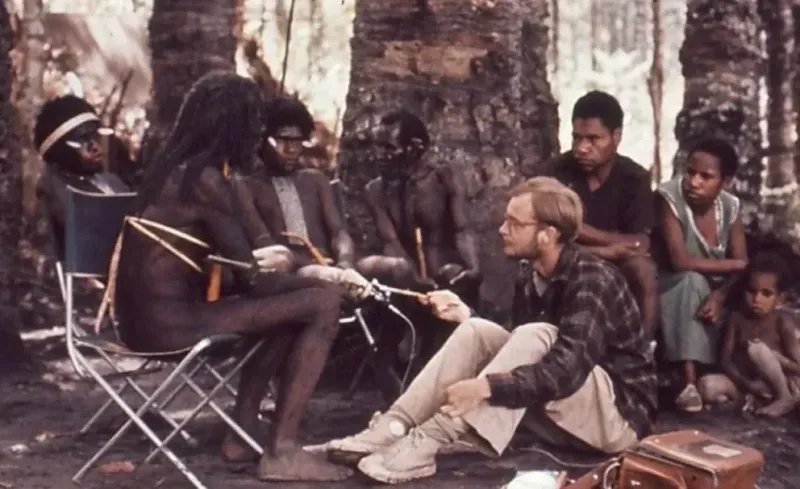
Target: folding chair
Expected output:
[93,223]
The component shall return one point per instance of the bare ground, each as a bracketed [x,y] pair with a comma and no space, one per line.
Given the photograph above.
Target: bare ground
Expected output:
[41,411]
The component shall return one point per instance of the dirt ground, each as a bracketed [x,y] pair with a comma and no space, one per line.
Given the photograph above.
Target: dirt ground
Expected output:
[41,411]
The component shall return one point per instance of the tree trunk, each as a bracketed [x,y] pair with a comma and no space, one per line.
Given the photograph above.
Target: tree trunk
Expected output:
[780,201]
[11,348]
[778,24]
[188,38]
[477,77]
[655,86]
[722,59]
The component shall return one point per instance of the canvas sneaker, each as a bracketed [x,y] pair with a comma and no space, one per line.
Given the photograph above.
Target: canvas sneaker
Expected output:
[411,457]
[383,430]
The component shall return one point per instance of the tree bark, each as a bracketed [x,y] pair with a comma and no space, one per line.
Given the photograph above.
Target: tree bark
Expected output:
[778,24]
[780,200]
[722,61]
[188,38]
[655,86]
[11,347]
[477,76]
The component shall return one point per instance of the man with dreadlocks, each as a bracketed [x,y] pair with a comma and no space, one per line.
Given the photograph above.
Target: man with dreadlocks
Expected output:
[67,135]
[161,302]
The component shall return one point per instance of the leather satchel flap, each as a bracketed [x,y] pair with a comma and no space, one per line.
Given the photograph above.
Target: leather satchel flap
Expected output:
[702,451]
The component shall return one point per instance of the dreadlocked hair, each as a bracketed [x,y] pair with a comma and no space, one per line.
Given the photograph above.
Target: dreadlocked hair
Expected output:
[219,121]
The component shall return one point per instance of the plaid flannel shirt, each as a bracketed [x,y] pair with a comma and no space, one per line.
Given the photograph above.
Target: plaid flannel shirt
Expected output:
[599,324]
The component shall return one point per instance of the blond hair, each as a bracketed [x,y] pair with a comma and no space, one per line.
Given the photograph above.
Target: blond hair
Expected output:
[554,204]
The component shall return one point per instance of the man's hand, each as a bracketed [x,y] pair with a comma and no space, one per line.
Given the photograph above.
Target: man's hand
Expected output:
[466,395]
[622,251]
[711,308]
[356,284]
[447,306]
[274,257]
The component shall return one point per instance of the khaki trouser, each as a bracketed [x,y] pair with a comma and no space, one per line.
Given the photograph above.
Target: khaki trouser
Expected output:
[478,347]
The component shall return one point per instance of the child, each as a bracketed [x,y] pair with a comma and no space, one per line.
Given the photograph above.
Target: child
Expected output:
[761,353]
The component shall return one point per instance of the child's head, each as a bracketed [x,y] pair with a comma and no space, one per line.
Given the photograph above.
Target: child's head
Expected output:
[765,283]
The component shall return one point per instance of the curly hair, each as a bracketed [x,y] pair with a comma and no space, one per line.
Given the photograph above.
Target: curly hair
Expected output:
[282,111]
[219,121]
[54,113]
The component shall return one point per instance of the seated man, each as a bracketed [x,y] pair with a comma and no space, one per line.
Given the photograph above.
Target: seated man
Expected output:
[576,370]
[616,194]
[289,205]
[410,196]
[67,135]
[161,298]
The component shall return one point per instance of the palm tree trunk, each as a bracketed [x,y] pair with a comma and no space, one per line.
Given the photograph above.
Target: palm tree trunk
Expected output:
[11,348]
[188,38]
[721,58]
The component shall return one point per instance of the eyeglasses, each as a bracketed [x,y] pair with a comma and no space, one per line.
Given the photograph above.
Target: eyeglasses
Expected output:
[82,141]
[290,141]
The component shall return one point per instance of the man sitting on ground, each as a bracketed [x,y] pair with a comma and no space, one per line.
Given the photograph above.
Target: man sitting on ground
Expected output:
[576,370]
[616,194]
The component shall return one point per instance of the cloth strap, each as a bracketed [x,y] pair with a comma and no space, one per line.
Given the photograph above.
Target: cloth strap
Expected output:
[64,128]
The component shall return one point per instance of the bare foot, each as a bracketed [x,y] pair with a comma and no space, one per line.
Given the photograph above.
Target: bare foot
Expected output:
[295,464]
[779,407]
[235,450]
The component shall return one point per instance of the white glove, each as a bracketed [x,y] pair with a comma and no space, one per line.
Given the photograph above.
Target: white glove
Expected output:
[356,284]
[275,257]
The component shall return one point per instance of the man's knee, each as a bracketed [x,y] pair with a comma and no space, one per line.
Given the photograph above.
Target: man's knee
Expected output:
[545,334]
[477,328]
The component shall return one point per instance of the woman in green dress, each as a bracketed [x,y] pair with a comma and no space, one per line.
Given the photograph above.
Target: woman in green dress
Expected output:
[705,246]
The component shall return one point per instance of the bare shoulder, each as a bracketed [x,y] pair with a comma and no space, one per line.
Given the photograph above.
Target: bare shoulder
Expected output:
[314,176]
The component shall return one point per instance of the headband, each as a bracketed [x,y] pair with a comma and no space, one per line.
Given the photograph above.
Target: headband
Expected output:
[64,128]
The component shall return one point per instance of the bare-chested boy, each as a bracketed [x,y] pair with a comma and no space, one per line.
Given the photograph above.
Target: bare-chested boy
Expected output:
[761,353]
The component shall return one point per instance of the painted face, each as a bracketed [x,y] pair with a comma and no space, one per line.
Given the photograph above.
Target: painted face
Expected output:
[288,143]
[593,144]
[519,229]
[761,294]
[702,180]
[86,140]
[395,160]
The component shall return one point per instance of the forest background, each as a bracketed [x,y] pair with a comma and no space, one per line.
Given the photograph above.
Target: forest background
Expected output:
[491,78]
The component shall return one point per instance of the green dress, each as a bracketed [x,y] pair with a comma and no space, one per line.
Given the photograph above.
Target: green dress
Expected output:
[681,294]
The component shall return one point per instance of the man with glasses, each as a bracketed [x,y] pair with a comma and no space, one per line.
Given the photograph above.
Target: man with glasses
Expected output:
[68,135]
[574,371]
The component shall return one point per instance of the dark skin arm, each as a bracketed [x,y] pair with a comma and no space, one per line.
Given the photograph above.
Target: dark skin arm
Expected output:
[465,239]
[735,324]
[791,347]
[342,244]
[219,211]
[257,233]
[383,224]
[682,261]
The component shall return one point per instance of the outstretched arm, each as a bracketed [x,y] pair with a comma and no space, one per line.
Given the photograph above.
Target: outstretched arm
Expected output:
[342,244]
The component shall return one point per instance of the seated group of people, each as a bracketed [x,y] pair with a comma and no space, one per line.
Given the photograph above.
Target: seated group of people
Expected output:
[585,309]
